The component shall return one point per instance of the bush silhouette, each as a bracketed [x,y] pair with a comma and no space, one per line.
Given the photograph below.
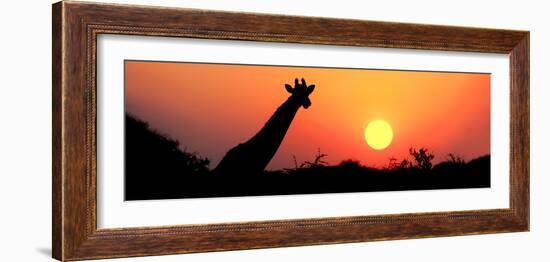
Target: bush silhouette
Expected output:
[422,158]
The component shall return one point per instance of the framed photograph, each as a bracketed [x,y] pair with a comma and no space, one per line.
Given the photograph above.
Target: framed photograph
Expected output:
[181,130]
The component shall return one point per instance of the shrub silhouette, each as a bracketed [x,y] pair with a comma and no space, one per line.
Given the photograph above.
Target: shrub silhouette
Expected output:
[422,158]
[351,164]
[317,162]
[455,159]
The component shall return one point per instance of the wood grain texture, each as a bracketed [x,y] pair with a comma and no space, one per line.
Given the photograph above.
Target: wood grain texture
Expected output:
[76,26]
[519,129]
[57,191]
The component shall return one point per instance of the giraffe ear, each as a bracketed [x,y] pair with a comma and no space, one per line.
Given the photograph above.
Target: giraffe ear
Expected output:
[310,89]
[289,88]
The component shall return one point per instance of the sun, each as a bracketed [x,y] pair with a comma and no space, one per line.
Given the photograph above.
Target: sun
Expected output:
[378,134]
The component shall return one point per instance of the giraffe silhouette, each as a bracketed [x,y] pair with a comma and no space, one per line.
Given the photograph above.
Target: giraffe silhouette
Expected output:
[251,157]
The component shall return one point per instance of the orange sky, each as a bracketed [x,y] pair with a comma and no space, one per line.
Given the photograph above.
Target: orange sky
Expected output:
[210,108]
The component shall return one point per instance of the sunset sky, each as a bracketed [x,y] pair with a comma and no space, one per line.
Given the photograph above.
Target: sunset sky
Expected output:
[210,108]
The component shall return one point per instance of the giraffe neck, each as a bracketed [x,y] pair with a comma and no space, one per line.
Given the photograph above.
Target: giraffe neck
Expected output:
[252,156]
[271,135]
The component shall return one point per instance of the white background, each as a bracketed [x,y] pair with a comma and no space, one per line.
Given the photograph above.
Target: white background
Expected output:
[25,145]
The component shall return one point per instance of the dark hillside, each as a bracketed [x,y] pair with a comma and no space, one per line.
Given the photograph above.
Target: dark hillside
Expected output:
[156,168]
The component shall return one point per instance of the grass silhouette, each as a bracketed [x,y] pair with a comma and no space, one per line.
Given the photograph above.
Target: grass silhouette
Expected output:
[156,168]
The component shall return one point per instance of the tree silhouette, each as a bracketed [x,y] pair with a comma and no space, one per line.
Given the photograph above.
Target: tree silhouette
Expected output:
[423,158]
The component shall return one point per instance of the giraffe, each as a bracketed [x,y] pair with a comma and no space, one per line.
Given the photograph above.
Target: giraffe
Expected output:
[252,156]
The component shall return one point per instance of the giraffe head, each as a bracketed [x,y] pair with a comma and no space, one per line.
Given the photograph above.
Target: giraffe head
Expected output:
[300,92]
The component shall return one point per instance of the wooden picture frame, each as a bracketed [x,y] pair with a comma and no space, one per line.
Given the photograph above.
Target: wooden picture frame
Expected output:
[76,26]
